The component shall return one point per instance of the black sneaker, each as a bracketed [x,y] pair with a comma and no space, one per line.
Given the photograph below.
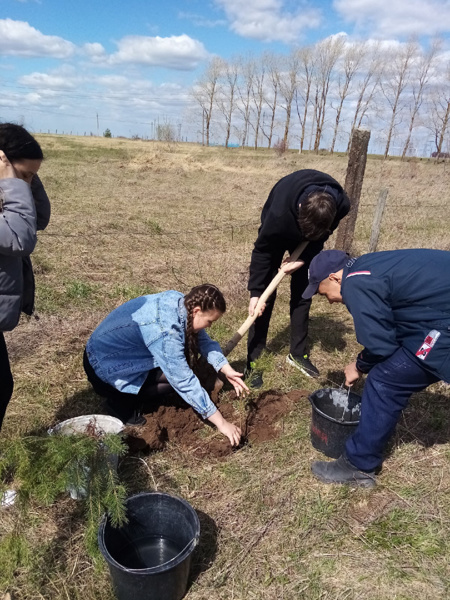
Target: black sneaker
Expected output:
[303,364]
[342,471]
[252,377]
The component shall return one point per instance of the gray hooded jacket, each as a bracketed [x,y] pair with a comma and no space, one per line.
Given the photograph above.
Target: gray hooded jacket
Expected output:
[23,210]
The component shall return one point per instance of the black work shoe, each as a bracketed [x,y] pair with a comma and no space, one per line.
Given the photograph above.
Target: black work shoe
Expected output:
[124,415]
[252,377]
[342,471]
[303,364]
[135,420]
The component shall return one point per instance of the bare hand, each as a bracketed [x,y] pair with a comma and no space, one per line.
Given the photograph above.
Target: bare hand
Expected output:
[351,374]
[6,169]
[234,377]
[252,306]
[232,432]
[289,266]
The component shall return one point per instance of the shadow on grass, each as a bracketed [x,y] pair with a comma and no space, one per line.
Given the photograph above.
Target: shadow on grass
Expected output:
[328,332]
[426,420]
[83,402]
[206,551]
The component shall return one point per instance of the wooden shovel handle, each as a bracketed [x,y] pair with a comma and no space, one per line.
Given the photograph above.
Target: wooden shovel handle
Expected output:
[237,337]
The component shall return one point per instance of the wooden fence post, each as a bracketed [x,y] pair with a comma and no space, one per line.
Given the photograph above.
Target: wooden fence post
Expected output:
[353,184]
[376,225]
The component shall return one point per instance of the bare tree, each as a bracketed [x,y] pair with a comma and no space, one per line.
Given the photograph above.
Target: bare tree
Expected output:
[226,97]
[205,90]
[272,63]
[288,81]
[352,59]
[259,74]
[443,129]
[328,52]
[439,114]
[368,85]
[306,57]
[419,81]
[394,82]
[244,88]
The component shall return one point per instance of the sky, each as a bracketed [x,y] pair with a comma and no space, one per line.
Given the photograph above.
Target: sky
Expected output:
[82,67]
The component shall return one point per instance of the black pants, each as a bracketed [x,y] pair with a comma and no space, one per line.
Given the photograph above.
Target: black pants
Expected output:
[6,379]
[122,404]
[299,312]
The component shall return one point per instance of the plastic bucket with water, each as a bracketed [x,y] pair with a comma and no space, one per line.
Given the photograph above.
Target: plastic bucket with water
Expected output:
[149,558]
[90,424]
[335,416]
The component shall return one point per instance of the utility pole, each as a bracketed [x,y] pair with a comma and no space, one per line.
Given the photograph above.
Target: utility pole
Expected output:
[98,129]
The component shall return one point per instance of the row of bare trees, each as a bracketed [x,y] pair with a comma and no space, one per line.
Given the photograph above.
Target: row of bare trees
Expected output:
[318,94]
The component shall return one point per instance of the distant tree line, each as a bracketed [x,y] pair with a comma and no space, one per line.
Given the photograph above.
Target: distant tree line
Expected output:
[316,95]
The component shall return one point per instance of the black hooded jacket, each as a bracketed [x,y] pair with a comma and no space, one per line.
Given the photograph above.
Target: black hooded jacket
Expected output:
[279,230]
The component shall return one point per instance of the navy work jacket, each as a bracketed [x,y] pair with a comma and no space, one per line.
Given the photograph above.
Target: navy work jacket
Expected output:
[401,298]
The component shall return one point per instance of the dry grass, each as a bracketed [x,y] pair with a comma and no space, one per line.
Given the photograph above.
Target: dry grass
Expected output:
[134,217]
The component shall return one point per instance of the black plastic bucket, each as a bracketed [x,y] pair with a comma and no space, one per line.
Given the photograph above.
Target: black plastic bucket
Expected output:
[149,558]
[335,416]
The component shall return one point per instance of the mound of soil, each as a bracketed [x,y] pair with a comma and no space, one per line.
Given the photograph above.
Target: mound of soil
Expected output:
[174,420]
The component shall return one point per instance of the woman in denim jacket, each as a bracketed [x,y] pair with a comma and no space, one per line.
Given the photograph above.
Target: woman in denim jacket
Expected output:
[150,346]
[24,208]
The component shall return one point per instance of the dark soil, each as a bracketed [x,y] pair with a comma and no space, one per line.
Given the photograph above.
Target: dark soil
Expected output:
[176,421]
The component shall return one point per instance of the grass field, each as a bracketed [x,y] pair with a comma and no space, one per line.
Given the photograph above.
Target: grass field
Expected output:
[132,217]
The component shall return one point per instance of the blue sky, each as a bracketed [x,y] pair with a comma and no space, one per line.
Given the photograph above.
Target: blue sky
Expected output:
[63,63]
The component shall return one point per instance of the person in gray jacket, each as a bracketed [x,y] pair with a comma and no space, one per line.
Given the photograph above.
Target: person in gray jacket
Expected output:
[24,208]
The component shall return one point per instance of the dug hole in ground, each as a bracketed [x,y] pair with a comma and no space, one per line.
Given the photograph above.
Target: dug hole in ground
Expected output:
[173,420]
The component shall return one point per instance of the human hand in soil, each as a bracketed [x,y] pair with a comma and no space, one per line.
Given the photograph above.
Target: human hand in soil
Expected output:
[351,374]
[290,267]
[6,169]
[252,306]
[232,432]
[234,377]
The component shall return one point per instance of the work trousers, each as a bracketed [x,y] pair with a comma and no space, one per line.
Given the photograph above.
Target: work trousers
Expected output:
[6,379]
[299,316]
[387,391]
[122,404]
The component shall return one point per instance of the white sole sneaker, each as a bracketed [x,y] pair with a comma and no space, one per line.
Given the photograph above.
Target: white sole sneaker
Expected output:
[303,369]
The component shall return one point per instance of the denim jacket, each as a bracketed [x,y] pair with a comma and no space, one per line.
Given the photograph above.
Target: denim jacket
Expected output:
[146,333]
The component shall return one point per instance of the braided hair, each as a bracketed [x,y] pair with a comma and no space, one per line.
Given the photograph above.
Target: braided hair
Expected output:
[207,297]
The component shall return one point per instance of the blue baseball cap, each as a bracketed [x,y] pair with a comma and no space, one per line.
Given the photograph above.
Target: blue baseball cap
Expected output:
[326,262]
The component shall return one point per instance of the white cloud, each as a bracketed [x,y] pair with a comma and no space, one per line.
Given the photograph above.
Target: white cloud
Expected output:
[267,20]
[18,38]
[94,50]
[113,81]
[44,80]
[386,18]
[175,52]
[200,20]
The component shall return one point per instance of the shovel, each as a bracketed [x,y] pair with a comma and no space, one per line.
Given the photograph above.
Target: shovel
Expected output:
[237,337]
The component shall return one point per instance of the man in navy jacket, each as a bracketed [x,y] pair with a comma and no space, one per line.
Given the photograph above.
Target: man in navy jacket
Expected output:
[400,304]
[305,205]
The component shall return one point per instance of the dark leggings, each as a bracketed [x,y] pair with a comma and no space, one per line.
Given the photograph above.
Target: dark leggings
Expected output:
[6,379]
[125,405]
[299,312]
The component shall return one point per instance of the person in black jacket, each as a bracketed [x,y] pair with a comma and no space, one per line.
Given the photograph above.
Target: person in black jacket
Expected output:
[305,205]
[400,304]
